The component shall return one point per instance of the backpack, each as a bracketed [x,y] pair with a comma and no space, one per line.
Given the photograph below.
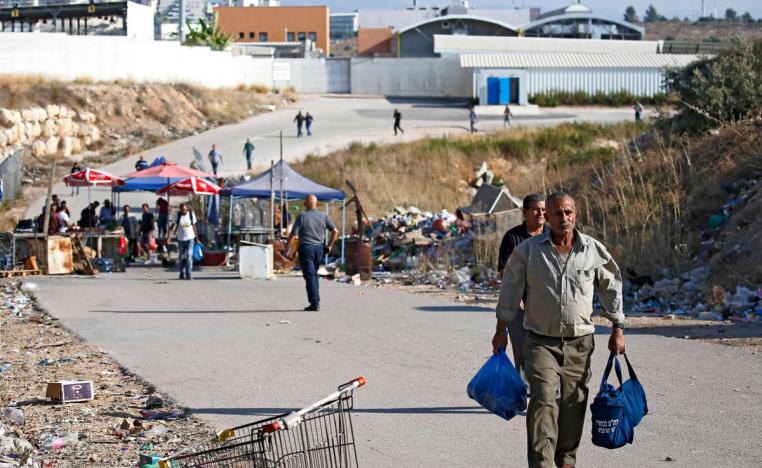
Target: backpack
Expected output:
[616,411]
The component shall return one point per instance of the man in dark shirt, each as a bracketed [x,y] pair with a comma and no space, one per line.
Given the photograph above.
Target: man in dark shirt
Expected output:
[533,211]
[146,227]
[130,226]
[397,119]
[299,120]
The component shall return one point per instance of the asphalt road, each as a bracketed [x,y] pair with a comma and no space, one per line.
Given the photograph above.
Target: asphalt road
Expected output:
[235,351]
[339,121]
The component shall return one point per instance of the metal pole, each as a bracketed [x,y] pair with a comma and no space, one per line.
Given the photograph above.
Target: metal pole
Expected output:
[46,223]
[230,220]
[271,223]
[343,227]
[181,21]
[282,202]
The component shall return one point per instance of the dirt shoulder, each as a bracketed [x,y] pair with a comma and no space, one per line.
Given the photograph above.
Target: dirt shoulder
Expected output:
[108,431]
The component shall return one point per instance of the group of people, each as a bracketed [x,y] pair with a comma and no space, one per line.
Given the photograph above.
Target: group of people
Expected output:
[473,119]
[61,221]
[303,120]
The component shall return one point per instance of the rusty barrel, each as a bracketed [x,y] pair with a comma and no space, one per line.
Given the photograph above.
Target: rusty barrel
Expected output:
[358,258]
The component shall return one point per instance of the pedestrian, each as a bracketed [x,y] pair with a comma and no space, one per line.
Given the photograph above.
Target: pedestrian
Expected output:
[141,164]
[299,119]
[507,114]
[308,124]
[63,219]
[88,217]
[106,214]
[248,151]
[185,230]
[54,225]
[472,118]
[638,111]
[397,119]
[558,272]
[147,227]
[215,158]
[162,208]
[130,226]
[310,227]
[75,188]
[533,211]
[65,207]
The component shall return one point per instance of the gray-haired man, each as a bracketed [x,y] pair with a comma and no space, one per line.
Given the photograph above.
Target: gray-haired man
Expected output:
[558,271]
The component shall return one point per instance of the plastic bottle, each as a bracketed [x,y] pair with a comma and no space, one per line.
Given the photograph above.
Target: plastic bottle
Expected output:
[156,431]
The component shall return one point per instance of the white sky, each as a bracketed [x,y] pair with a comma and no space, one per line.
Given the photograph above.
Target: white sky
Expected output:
[680,8]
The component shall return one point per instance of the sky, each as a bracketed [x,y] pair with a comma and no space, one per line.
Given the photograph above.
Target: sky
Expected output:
[680,8]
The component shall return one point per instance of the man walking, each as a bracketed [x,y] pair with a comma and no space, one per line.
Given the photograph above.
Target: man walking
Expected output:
[215,158]
[299,119]
[141,164]
[638,111]
[507,114]
[248,151]
[533,211]
[397,119]
[185,229]
[472,118]
[147,226]
[308,124]
[558,272]
[130,226]
[311,227]
[162,208]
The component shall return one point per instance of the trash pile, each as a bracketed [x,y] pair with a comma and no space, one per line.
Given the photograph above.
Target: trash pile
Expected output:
[65,403]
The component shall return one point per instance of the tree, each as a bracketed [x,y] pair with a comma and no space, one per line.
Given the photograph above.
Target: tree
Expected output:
[630,15]
[747,18]
[651,14]
[209,35]
[731,15]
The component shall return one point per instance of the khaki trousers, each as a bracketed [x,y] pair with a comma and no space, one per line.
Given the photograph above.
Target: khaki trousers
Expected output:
[554,426]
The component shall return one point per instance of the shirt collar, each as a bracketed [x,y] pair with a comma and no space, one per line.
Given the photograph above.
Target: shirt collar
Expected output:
[580,242]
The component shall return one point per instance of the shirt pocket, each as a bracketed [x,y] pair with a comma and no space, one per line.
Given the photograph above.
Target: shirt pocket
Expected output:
[582,284]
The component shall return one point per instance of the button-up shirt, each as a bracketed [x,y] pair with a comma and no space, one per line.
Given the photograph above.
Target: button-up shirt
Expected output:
[559,295]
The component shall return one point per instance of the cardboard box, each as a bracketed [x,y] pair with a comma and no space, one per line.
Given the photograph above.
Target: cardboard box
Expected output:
[68,391]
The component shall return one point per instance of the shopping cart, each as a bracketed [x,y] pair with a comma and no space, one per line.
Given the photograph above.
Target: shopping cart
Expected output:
[319,435]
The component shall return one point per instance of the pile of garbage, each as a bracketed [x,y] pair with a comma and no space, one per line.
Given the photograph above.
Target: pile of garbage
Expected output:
[123,422]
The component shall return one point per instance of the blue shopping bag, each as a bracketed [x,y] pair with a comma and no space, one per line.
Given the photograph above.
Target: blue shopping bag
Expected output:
[616,411]
[198,253]
[498,387]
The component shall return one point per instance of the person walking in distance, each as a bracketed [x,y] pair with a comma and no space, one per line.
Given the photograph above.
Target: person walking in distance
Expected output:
[397,119]
[248,152]
[147,228]
[162,208]
[299,119]
[507,114]
[130,226]
[308,124]
[558,273]
[638,111]
[533,211]
[75,188]
[215,158]
[472,118]
[185,230]
[141,164]
[310,227]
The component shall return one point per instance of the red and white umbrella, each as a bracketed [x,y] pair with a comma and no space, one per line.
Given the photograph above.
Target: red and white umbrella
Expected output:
[190,185]
[88,177]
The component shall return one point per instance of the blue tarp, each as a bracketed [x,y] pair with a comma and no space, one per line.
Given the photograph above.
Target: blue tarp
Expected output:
[150,184]
[296,186]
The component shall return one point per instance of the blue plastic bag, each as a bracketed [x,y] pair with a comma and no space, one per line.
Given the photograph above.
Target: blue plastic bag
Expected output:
[198,253]
[498,387]
[616,411]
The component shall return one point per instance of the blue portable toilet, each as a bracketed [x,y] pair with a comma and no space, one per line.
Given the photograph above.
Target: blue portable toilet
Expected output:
[505,91]
[493,90]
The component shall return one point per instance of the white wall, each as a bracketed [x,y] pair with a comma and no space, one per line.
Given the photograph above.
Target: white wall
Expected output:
[107,58]
[139,22]
[412,77]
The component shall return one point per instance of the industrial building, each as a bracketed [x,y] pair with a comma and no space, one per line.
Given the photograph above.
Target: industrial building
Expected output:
[284,24]
[343,25]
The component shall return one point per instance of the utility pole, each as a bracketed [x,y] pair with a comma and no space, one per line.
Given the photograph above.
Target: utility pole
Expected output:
[47,210]
[181,26]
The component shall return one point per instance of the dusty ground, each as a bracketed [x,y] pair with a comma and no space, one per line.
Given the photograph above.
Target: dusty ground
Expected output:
[731,333]
[39,350]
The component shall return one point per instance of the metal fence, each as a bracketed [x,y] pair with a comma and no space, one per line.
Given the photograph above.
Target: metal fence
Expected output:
[10,176]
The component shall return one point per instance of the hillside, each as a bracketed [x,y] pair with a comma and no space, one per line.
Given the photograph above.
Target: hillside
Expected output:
[690,31]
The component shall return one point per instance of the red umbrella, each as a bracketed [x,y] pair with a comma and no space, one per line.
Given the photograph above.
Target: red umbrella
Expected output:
[88,177]
[168,170]
[192,185]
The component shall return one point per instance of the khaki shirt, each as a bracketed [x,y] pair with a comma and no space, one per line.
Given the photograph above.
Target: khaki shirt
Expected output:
[559,299]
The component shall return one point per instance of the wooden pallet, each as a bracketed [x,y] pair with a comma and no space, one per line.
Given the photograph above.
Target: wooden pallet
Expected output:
[12,273]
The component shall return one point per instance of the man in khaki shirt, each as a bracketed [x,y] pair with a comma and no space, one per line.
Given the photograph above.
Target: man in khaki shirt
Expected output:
[559,271]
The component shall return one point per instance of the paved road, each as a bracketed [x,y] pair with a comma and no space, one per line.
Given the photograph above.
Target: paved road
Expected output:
[338,122]
[217,344]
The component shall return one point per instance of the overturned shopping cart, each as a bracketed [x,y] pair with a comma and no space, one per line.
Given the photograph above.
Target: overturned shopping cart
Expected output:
[319,435]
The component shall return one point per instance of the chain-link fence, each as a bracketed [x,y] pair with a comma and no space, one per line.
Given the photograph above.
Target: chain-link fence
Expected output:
[10,176]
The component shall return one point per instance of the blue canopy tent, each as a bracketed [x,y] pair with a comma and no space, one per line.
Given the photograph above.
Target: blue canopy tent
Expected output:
[284,184]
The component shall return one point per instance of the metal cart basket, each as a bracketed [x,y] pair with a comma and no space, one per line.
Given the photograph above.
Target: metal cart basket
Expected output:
[320,435]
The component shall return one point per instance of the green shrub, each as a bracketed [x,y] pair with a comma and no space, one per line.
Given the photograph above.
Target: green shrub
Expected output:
[619,98]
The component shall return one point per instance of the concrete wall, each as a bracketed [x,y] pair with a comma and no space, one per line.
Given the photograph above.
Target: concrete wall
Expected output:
[411,77]
[107,58]
[10,174]
[307,75]
[140,23]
